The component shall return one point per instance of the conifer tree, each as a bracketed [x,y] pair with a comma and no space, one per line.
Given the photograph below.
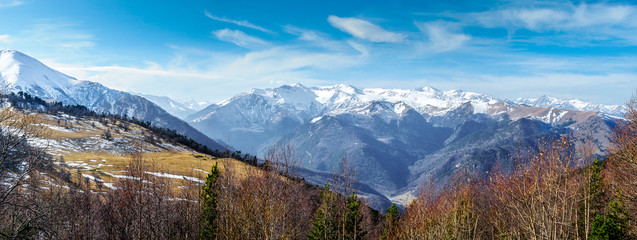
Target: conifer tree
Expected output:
[391,222]
[353,219]
[325,224]
[613,225]
[209,195]
[593,199]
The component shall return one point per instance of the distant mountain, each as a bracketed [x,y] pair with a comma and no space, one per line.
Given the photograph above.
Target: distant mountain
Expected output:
[395,138]
[251,118]
[171,106]
[19,72]
[573,104]
[192,104]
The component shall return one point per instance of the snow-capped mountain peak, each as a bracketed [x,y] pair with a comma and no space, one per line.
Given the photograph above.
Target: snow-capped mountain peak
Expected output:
[573,104]
[428,89]
[21,72]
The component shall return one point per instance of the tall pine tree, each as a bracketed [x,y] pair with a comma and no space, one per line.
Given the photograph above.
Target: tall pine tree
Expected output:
[614,224]
[325,224]
[353,219]
[209,195]
[391,222]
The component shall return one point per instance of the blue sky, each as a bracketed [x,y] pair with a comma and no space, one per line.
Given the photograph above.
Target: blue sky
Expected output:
[211,50]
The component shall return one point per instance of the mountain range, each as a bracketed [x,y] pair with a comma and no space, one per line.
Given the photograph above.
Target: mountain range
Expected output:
[396,139]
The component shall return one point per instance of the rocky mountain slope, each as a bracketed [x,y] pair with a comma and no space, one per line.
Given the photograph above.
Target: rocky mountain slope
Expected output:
[19,72]
[396,138]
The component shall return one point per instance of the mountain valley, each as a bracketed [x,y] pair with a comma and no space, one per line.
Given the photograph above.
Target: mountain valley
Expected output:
[396,139]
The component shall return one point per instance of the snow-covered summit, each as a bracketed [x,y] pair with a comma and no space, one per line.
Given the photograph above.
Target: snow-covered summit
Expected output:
[573,104]
[20,72]
[256,108]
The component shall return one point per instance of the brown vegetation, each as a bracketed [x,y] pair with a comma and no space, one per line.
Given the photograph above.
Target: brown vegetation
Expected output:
[554,191]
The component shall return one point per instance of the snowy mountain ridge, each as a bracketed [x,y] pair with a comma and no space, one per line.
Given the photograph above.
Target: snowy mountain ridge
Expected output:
[314,102]
[573,104]
[341,98]
[20,72]
[23,73]
[397,138]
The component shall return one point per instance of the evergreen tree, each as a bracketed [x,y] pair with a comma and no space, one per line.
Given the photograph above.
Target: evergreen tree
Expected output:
[353,219]
[613,225]
[325,224]
[209,195]
[391,222]
[595,199]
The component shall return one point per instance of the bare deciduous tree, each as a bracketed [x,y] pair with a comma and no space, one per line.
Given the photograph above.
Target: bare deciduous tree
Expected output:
[19,161]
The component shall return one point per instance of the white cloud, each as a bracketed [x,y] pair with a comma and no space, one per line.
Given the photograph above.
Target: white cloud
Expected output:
[151,71]
[239,38]
[216,80]
[441,37]
[602,14]
[237,22]
[304,34]
[360,48]
[365,30]
[10,3]
[57,34]
[561,17]
[5,38]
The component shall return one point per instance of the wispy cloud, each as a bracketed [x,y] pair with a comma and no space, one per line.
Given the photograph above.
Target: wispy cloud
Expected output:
[592,22]
[560,18]
[5,38]
[239,38]
[365,30]
[217,80]
[153,71]
[443,36]
[238,22]
[58,34]
[304,34]
[10,3]
[313,38]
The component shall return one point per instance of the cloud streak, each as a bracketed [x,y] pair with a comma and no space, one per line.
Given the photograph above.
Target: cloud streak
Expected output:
[59,34]
[239,38]
[5,38]
[10,3]
[441,37]
[556,18]
[584,22]
[238,23]
[365,30]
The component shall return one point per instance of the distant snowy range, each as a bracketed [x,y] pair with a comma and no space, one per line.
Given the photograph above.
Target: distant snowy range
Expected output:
[396,139]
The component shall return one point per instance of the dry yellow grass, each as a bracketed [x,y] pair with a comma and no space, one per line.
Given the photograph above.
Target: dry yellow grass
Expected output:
[104,165]
[108,166]
[83,128]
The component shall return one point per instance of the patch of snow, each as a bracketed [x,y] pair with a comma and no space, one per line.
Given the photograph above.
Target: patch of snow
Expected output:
[199,170]
[316,119]
[94,179]
[168,175]
[110,185]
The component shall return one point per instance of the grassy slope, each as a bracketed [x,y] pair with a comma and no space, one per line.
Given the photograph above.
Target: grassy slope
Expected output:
[72,141]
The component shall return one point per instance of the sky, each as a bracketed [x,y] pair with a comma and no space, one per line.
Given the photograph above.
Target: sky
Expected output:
[211,50]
